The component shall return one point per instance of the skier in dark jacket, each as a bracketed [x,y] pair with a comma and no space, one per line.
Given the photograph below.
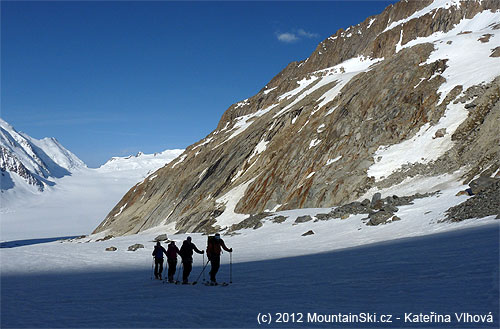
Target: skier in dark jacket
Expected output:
[213,253]
[158,255]
[172,252]
[186,254]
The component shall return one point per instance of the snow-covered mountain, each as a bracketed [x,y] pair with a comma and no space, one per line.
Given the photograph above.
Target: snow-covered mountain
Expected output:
[75,203]
[405,102]
[149,162]
[27,162]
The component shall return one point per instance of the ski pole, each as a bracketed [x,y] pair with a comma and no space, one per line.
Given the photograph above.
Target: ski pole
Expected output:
[202,264]
[179,272]
[203,270]
[152,268]
[231,267]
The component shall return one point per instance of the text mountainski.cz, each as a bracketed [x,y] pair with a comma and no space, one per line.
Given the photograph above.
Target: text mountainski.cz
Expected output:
[432,317]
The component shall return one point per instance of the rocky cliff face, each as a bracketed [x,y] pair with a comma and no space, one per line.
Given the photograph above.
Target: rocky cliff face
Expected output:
[393,97]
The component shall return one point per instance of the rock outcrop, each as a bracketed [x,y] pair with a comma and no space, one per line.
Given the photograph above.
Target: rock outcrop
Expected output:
[316,134]
[485,202]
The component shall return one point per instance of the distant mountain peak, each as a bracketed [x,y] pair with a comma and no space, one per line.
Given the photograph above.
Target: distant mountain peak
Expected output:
[140,160]
[26,160]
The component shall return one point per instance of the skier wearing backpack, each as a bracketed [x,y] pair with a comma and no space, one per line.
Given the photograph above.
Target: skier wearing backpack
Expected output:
[158,255]
[214,246]
[171,253]
[186,254]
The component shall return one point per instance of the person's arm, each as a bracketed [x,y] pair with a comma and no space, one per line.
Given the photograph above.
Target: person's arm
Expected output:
[223,245]
[164,251]
[196,249]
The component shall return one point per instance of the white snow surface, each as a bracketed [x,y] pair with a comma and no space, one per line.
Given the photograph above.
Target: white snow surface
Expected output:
[146,162]
[435,5]
[330,161]
[466,68]
[77,203]
[413,265]
[315,142]
[245,121]
[341,74]
[230,200]
[424,146]
[304,83]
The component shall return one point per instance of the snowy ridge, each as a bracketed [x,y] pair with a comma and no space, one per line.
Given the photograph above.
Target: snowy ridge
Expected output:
[435,5]
[141,161]
[28,161]
[339,74]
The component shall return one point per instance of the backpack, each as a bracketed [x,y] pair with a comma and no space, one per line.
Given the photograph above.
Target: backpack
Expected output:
[184,252]
[158,252]
[213,246]
[171,252]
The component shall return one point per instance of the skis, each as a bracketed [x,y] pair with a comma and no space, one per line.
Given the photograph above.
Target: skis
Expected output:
[219,284]
[206,283]
[173,282]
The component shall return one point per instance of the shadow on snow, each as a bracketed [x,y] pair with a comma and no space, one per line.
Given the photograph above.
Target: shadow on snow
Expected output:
[27,242]
[445,273]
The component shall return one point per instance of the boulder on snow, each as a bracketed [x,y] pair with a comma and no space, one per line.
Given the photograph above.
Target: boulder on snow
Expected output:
[303,219]
[379,204]
[161,237]
[439,133]
[483,184]
[279,219]
[254,221]
[310,232]
[375,198]
[324,216]
[379,217]
[395,218]
[485,203]
[111,249]
[389,208]
[135,247]
[107,237]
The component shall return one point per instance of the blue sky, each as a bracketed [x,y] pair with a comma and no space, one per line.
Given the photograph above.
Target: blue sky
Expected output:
[114,78]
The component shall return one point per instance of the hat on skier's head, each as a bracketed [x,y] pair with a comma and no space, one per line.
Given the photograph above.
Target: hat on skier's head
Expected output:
[188,238]
[217,235]
[158,243]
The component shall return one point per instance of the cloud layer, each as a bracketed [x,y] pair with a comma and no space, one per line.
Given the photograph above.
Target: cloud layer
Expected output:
[289,37]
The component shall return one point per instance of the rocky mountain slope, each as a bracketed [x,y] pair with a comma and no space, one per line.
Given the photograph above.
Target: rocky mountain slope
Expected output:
[412,92]
[28,161]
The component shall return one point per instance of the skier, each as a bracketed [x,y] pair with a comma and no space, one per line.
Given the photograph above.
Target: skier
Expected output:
[172,252]
[158,256]
[186,254]
[213,253]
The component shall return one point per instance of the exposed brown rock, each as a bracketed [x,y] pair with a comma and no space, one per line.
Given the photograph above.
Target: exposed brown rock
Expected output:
[383,106]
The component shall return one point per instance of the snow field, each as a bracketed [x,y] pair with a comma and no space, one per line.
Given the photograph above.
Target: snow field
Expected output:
[445,273]
[475,66]
[76,204]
